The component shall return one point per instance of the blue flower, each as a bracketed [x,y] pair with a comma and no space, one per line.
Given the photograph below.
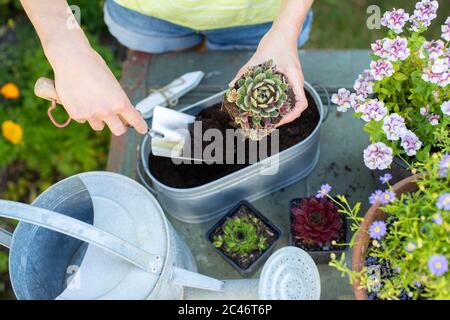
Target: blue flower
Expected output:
[410,246]
[324,191]
[375,198]
[377,230]
[385,178]
[438,265]
[437,218]
[387,197]
[443,202]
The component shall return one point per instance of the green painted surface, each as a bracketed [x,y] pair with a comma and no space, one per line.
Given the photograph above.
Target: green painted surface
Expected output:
[340,165]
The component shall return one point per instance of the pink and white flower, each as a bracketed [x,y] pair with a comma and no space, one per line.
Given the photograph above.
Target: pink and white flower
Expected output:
[364,84]
[424,110]
[372,110]
[395,20]
[356,100]
[445,108]
[446,30]
[425,12]
[394,127]
[437,72]
[342,100]
[378,156]
[381,69]
[398,49]
[432,49]
[434,119]
[410,143]
[380,48]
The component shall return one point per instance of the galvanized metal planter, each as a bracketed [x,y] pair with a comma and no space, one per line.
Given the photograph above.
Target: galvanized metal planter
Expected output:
[319,256]
[263,257]
[212,200]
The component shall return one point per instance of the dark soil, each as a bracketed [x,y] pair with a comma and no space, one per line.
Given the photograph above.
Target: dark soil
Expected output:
[267,231]
[298,243]
[194,175]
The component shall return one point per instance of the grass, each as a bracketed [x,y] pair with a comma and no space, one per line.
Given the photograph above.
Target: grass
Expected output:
[341,24]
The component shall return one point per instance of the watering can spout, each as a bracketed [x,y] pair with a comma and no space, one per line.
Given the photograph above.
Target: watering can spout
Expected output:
[191,279]
[245,289]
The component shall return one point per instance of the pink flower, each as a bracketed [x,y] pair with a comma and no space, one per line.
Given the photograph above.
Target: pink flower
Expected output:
[378,156]
[372,110]
[425,12]
[445,108]
[394,127]
[432,49]
[434,119]
[342,99]
[398,49]
[380,69]
[364,84]
[410,143]
[446,30]
[395,20]
[380,48]
[437,71]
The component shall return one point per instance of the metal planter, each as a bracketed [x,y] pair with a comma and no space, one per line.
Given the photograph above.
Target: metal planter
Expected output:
[214,199]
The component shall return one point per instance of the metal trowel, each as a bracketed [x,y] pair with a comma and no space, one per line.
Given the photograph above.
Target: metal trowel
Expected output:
[169,131]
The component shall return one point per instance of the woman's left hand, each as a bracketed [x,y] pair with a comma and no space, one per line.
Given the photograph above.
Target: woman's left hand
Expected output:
[281,47]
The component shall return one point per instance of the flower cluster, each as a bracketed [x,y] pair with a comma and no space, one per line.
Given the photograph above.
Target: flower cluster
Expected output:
[409,78]
[425,12]
[407,255]
[378,156]
[395,20]
[372,110]
[394,127]
[381,69]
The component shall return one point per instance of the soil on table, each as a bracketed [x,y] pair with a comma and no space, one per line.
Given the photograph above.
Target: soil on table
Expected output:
[193,175]
[266,231]
[328,247]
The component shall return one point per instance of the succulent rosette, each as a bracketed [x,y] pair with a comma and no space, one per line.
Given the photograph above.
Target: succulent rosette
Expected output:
[316,222]
[259,100]
[404,97]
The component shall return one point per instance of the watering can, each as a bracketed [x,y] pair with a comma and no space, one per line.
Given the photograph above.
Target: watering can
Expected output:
[100,235]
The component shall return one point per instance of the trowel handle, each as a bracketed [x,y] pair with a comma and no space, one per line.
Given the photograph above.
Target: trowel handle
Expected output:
[45,89]
[79,230]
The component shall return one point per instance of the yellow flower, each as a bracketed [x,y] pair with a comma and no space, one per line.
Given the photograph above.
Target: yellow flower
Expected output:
[10,91]
[12,132]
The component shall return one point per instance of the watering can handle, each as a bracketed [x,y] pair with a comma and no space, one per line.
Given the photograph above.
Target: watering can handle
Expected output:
[80,230]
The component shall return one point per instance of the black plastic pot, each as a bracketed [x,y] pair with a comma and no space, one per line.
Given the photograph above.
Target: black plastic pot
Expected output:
[263,256]
[399,171]
[319,256]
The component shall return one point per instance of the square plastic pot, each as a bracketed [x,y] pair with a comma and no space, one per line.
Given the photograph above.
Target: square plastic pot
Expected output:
[263,257]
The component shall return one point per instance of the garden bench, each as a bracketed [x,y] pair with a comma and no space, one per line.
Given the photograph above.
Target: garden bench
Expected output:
[342,141]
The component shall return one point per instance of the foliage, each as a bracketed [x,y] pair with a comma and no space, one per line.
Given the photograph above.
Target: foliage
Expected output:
[241,235]
[259,99]
[417,228]
[410,78]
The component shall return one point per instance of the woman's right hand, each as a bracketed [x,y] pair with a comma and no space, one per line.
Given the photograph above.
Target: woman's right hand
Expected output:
[89,91]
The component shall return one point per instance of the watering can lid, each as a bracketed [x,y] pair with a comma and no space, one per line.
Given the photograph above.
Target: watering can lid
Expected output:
[127,210]
[289,274]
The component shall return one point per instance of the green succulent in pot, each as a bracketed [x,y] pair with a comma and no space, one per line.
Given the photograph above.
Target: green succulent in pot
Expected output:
[241,236]
[259,100]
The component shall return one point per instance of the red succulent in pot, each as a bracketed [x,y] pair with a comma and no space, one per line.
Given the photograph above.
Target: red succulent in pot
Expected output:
[316,222]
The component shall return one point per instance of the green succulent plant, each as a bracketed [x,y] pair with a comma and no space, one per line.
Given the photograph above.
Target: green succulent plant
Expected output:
[240,235]
[261,97]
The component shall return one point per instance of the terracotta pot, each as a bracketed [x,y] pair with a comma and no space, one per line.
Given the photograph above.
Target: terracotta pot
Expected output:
[362,237]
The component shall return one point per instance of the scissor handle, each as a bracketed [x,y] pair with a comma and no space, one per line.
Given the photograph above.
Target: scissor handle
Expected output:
[45,89]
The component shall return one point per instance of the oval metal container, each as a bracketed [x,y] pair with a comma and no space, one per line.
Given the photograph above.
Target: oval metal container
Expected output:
[214,199]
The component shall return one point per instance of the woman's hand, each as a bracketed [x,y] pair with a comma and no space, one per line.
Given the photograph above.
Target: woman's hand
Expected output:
[89,92]
[281,47]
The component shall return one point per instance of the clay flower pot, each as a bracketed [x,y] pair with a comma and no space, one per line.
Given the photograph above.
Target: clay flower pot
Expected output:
[362,237]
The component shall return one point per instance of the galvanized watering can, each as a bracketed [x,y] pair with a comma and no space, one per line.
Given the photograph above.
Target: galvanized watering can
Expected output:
[101,235]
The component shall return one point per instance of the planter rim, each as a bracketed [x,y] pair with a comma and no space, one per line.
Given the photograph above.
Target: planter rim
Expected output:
[362,237]
[255,265]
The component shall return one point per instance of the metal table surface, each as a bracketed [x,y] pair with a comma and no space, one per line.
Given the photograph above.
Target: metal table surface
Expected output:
[342,141]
